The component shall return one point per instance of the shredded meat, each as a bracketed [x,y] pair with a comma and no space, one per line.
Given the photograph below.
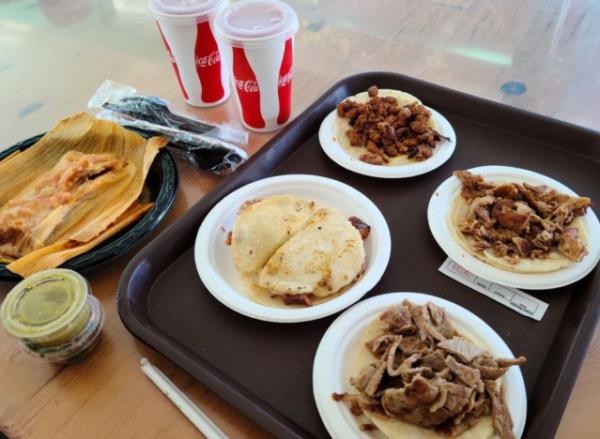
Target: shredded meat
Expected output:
[363,228]
[434,360]
[387,129]
[398,318]
[424,373]
[520,220]
[508,362]
[468,375]
[500,413]
[369,379]
[462,348]
[571,245]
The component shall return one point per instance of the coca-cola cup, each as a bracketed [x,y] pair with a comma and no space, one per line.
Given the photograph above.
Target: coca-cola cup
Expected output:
[258,45]
[186,27]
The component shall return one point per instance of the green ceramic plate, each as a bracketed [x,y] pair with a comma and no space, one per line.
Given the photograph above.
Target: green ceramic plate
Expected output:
[161,185]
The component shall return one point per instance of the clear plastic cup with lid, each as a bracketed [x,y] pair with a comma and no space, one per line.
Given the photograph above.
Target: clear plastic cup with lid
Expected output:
[186,28]
[53,311]
[259,40]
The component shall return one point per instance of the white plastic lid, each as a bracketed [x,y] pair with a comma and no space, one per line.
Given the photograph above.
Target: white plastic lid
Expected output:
[256,20]
[184,7]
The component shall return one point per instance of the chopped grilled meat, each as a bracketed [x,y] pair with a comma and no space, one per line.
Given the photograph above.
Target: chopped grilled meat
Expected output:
[387,129]
[422,319]
[478,209]
[372,91]
[523,246]
[367,427]
[373,159]
[468,375]
[398,318]
[363,228]
[412,402]
[369,379]
[338,396]
[462,349]
[489,368]
[434,360]
[571,245]
[491,373]
[510,218]
[413,344]
[440,402]
[500,413]
[440,320]
[380,345]
[508,362]
[473,185]
[407,369]
[508,190]
[458,397]
[354,402]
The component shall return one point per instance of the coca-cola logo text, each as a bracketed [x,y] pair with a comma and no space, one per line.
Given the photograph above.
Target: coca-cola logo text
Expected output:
[285,79]
[251,86]
[208,60]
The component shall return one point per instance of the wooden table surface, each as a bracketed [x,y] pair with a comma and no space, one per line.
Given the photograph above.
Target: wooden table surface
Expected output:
[541,55]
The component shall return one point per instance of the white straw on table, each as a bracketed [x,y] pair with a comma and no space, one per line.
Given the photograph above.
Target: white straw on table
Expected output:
[182,402]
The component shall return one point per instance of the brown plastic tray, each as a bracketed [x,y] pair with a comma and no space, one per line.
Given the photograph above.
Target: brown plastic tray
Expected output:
[264,369]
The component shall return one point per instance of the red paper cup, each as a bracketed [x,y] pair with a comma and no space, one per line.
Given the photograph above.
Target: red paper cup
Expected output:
[258,43]
[186,27]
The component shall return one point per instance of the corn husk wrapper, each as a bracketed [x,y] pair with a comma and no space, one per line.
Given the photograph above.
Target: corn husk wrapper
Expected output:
[110,204]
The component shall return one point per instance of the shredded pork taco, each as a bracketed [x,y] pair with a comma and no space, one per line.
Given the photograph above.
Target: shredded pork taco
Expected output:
[517,226]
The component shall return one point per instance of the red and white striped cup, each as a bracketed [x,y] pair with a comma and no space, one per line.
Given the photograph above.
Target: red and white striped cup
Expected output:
[186,27]
[258,43]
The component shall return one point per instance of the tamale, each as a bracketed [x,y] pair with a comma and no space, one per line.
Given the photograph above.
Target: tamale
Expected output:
[56,254]
[80,180]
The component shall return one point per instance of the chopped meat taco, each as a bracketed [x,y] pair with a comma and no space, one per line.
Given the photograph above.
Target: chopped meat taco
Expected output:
[416,377]
[518,227]
[386,127]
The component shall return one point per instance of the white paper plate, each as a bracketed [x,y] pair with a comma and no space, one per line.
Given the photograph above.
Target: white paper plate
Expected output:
[441,153]
[331,370]
[438,211]
[214,260]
